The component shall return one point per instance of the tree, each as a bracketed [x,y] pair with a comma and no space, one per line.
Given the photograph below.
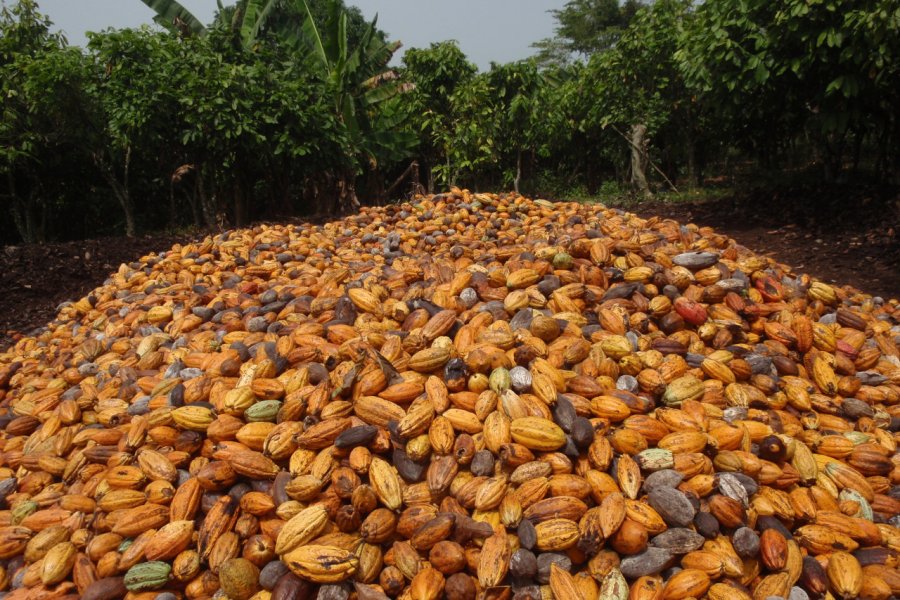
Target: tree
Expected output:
[435,74]
[636,89]
[572,157]
[520,113]
[356,79]
[249,120]
[133,96]
[42,129]
[584,28]
[829,68]
[471,147]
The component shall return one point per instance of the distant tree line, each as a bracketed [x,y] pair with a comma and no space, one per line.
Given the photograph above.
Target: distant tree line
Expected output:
[291,107]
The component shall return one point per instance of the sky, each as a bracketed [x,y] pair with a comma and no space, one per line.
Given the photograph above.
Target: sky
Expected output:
[487,30]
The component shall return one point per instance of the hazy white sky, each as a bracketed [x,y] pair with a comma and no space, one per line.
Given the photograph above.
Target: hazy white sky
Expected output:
[487,30]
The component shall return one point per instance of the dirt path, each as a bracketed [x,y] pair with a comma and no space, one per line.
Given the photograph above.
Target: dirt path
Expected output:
[836,236]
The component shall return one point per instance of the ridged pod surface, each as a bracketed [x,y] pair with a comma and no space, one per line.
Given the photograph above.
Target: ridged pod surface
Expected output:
[462,396]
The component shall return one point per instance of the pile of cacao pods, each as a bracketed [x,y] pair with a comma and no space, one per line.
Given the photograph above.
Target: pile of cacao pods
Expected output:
[465,396]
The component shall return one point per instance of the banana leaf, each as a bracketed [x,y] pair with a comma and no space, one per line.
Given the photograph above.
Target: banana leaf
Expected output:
[255,14]
[167,11]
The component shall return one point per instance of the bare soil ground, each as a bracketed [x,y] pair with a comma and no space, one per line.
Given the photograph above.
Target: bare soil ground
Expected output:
[843,237]
[839,235]
[37,278]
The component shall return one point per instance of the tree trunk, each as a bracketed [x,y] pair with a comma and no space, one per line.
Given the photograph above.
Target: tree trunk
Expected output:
[30,226]
[451,176]
[518,179]
[374,190]
[693,178]
[45,217]
[834,156]
[881,155]
[179,183]
[639,160]
[127,204]
[240,203]
[532,169]
[194,199]
[120,189]
[691,148]
[700,158]
[416,188]
[19,219]
[283,179]
[14,202]
[412,173]
[173,207]
[124,198]
[891,162]
[207,204]
[857,151]
[23,215]
[589,176]
[322,194]
[691,152]
[347,202]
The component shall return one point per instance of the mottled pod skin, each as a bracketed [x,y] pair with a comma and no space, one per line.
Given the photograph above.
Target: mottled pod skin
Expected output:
[463,396]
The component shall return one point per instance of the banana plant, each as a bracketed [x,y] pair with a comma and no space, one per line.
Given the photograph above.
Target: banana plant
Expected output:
[358,78]
[170,14]
[247,21]
[360,85]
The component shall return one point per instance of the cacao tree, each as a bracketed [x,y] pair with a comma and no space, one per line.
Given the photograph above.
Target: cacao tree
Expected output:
[636,89]
[435,73]
[776,71]
[520,115]
[132,92]
[43,130]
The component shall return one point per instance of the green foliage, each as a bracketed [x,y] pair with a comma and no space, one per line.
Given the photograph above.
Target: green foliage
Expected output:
[171,14]
[25,40]
[585,27]
[345,55]
[828,66]
[321,11]
[359,82]
[285,106]
[42,126]
[249,118]
[133,89]
[435,75]
[479,128]
[590,26]
[521,114]
[470,144]
[638,81]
